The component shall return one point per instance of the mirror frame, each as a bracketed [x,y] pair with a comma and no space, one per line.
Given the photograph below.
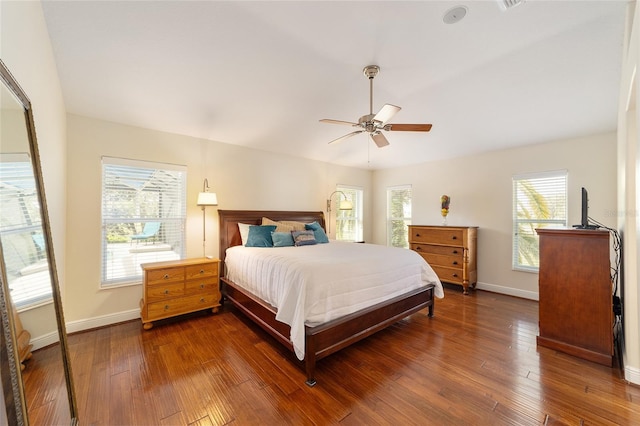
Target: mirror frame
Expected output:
[13,389]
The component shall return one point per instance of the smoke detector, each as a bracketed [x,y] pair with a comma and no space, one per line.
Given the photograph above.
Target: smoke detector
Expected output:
[454,15]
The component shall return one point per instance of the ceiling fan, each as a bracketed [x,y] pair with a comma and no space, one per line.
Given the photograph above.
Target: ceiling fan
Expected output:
[375,123]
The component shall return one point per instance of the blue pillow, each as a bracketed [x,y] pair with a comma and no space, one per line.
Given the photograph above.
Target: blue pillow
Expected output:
[303,238]
[260,236]
[318,232]
[282,239]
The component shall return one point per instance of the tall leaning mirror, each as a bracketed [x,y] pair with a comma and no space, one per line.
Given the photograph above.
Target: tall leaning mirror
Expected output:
[30,301]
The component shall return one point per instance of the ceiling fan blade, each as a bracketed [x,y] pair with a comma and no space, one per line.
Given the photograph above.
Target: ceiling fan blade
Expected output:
[409,127]
[346,136]
[328,120]
[386,112]
[379,139]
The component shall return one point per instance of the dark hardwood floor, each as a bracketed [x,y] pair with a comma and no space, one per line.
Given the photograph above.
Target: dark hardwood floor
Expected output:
[474,363]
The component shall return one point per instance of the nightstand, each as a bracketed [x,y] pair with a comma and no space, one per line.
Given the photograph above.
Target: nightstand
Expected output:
[179,287]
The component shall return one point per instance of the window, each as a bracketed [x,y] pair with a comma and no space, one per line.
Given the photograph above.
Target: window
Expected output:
[539,201]
[143,217]
[23,243]
[349,222]
[398,215]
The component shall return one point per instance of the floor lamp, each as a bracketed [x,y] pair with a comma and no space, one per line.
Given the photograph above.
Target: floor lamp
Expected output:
[342,205]
[206,198]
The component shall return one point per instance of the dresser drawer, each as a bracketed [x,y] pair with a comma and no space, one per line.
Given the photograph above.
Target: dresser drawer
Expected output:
[160,276]
[453,251]
[204,270]
[178,306]
[204,285]
[437,236]
[167,291]
[450,275]
[442,260]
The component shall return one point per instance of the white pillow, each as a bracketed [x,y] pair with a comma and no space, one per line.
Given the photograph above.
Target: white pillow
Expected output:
[244,232]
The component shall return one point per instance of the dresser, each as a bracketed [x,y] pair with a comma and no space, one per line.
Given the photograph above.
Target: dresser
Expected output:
[450,250]
[576,294]
[178,287]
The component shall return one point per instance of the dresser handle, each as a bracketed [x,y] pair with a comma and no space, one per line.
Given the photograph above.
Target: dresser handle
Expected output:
[417,235]
[166,276]
[455,275]
[455,262]
[202,286]
[454,237]
[166,292]
[418,248]
[166,307]
[202,271]
[455,252]
[202,300]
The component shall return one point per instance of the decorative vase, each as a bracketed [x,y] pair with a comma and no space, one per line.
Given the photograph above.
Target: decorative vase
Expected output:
[444,208]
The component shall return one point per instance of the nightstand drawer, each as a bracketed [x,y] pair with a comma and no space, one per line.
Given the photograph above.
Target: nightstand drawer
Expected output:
[160,276]
[180,305]
[205,285]
[204,270]
[437,236]
[162,292]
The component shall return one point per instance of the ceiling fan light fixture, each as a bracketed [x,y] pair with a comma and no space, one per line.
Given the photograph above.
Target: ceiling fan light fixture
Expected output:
[508,4]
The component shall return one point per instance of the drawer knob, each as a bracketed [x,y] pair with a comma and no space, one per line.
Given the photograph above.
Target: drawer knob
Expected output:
[202,286]
[455,252]
[202,300]
[166,292]
[418,248]
[166,276]
[417,235]
[455,262]
[454,237]
[202,271]
[166,307]
[454,275]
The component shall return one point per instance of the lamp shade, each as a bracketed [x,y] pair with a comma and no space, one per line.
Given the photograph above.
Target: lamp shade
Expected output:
[207,199]
[345,205]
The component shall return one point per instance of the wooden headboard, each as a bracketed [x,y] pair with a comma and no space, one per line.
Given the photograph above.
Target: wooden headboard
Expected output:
[229,219]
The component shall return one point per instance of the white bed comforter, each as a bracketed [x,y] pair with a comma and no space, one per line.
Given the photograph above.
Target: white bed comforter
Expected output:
[315,284]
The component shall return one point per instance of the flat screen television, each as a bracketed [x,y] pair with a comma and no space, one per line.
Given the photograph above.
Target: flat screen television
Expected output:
[584,221]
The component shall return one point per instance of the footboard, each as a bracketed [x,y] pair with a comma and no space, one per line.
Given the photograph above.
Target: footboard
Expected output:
[325,339]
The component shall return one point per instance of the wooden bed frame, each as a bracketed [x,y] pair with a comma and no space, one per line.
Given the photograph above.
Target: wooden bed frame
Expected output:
[324,339]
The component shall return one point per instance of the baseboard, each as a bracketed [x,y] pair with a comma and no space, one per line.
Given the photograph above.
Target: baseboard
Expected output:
[97,322]
[86,324]
[632,375]
[524,294]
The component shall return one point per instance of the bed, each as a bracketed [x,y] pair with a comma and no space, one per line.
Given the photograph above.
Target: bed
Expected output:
[325,337]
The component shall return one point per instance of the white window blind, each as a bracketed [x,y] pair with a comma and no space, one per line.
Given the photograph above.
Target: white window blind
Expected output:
[143,217]
[539,201]
[349,226]
[398,215]
[23,243]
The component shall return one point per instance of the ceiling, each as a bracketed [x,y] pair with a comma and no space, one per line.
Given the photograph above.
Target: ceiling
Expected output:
[261,74]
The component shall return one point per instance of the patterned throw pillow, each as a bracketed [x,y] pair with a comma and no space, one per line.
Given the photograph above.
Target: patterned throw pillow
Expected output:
[303,238]
[318,232]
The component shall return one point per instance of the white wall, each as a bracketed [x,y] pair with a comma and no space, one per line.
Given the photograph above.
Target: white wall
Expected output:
[628,203]
[26,50]
[480,188]
[242,179]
